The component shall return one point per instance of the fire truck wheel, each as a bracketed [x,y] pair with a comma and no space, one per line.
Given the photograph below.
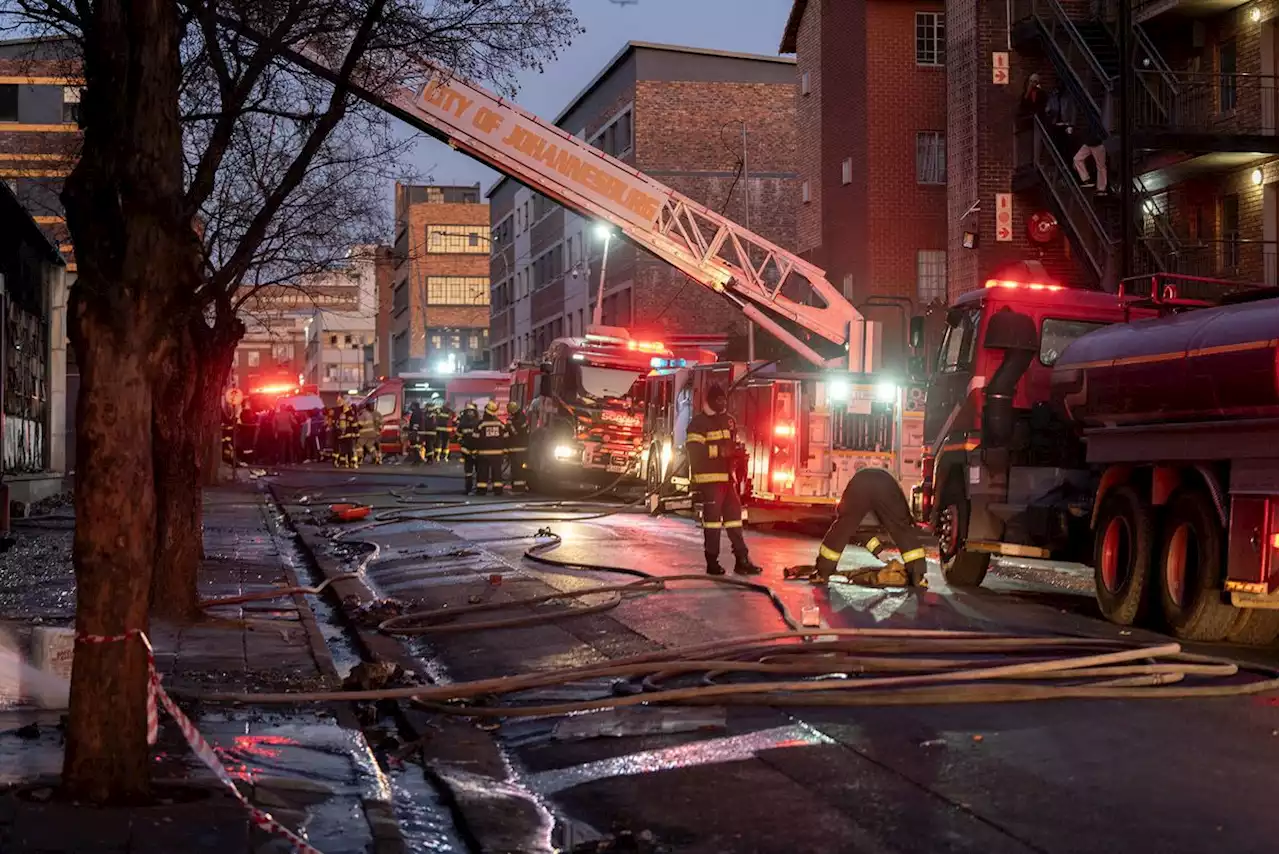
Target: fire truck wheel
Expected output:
[1255,627]
[1123,549]
[959,567]
[1190,570]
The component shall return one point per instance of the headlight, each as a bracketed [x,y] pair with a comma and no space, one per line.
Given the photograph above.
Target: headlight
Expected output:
[564,452]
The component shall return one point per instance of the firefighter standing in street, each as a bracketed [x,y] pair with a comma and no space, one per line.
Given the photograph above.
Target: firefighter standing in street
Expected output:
[712,443]
[490,443]
[517,446]
[871,490]
[370,435]
[468,421]
[429,433]
[349,434]
[444,432]
[416,420]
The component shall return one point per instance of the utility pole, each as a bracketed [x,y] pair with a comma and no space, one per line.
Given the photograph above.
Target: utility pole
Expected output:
[746,222]
[1125,88]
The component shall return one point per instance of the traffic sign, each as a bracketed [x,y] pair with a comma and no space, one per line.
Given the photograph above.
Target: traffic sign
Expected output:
[1000,68]
[234,397]
[1004,217]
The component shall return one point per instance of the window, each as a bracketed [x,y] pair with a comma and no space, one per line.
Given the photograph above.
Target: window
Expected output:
[931,38]
[333,340]
[804,83]
[437,341]
[846,171]
[931,157]
[70,105]
[931,276]
[457,239]
[282,352]
[847,285]
[255,358]
[9,102]
[1227,75]
[1230,232]
[457,290]
[804,192]
[1056,334]
[959,341]
[385,404]
[615,138]
[473,342]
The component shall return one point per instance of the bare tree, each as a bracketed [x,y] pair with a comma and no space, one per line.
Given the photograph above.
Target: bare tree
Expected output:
[209,164]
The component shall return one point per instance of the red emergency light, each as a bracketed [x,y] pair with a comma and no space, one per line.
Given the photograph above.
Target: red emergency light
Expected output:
[784,430]
[783,478]
[1028,286]
[274,389]
[647,346]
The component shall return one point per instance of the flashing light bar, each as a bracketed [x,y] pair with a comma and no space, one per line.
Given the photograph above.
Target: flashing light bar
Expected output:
[659,362]
[274,389]
[647,346]
[1029,286]
[784,430]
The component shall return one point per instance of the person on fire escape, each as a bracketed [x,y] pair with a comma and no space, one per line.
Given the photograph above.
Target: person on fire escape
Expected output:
[711,444]
[870,490]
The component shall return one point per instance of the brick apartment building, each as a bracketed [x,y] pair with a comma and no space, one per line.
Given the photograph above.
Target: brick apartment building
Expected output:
[439,310]
[677,114]
[871,112]
[1202,95]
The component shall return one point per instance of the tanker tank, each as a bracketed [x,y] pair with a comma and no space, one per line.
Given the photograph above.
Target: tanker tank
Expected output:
[1211,364]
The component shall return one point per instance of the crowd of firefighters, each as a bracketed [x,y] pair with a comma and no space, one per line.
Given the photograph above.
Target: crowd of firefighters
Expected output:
[350,434]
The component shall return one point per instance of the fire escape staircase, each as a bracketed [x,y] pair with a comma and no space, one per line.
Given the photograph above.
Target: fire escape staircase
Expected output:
[1086,59]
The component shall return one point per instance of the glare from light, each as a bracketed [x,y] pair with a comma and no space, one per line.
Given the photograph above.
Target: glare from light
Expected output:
[886,392]
[1255,14]
[666,457]
[603,232]
[655,362]
[562,452]
[1256,177]
[578,357]
[838,390]
[353,391]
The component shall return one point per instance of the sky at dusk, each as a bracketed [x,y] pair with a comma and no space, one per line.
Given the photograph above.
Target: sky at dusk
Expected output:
[750,26]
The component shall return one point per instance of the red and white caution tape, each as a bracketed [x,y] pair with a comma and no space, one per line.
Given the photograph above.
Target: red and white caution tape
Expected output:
[202,748]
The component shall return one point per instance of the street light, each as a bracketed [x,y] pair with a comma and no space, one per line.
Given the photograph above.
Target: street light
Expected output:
[605,233]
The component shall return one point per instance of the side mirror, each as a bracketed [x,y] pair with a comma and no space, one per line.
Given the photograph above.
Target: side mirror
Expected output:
[915,336]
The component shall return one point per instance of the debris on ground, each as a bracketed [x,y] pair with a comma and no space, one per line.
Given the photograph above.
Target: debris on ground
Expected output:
[371,614]
[52,504]
[637,720]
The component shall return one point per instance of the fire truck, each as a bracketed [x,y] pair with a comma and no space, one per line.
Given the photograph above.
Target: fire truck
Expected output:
[393,396]
[1135,433]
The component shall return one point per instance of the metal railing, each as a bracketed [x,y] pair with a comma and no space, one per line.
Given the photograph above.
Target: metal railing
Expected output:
[1033,147]
[1072,56]
[1158,82]
[1233,260]
[1200,102]
[1165,241]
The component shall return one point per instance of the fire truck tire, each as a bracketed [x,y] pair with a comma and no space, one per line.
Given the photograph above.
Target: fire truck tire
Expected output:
[1255,627]
[960,568]
[1190,569]
[1123,554]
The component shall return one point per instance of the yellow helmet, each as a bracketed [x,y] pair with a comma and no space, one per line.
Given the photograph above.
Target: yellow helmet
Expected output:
[491,408]
[513,408]
[471,404]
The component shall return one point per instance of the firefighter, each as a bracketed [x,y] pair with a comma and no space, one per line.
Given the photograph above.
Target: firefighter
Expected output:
[712,443]
[871,490]
[468,420]
[489,441]
[329,450]
[348,434]
[444,432]
[428,452]
[517,446]
[370,435]
[416,421]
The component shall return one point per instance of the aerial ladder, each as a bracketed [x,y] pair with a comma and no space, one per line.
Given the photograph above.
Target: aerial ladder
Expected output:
[771,286]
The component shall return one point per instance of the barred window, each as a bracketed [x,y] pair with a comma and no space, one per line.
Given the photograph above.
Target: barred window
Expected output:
[931,157]
[457,239]
[931,38]
[931,276]
[457,290]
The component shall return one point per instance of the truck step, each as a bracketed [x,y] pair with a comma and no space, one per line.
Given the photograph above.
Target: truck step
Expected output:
[1005,549]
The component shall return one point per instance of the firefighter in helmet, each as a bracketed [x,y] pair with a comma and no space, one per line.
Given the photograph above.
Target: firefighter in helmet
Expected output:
[429,432]
[490,442]
[370,434]
[468,421]
[348,435]
[517,446]
[871,490]
[444,432]
[712,443]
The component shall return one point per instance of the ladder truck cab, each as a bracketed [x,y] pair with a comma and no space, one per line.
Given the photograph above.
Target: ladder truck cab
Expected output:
[586,414]
[1132,432]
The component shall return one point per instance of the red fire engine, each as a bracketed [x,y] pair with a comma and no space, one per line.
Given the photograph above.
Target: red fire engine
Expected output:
[1136,433]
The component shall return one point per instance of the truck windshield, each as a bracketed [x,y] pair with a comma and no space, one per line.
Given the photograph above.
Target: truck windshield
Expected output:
[596,382]
[1056,334]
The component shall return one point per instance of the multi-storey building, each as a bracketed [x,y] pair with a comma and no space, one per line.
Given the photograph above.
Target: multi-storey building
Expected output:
[715,126]
[871,113]
[341,328]
[1188,127]
[439,311]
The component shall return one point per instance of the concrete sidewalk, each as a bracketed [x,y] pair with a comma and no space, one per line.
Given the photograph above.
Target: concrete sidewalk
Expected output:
[310,766]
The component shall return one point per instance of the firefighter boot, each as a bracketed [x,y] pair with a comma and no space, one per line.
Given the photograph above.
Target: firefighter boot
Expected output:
[713,565]
[742,565]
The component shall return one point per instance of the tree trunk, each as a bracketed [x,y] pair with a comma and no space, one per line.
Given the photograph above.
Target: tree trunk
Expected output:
[107,757]
[186,422]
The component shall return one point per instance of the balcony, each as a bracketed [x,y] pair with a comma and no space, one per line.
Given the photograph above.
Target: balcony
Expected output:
[1251,261]
[1206,112]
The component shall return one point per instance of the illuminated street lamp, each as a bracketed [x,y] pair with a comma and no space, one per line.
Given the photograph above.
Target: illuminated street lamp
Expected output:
[605,233]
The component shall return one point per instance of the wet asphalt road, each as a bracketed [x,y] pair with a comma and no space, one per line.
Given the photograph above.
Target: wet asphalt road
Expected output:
[1063,776]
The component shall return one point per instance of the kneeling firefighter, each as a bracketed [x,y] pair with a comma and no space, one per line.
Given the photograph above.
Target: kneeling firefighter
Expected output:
[875,491]
[712,443]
